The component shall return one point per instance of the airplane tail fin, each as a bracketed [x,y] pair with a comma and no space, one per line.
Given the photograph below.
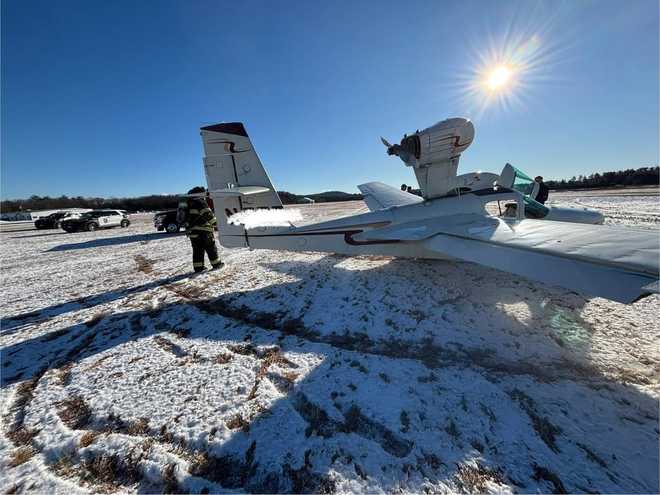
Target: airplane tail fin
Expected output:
[236,178]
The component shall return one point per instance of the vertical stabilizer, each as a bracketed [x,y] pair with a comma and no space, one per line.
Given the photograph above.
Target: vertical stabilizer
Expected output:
[236,178]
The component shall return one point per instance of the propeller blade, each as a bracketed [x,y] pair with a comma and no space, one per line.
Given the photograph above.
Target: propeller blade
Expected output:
[384,141]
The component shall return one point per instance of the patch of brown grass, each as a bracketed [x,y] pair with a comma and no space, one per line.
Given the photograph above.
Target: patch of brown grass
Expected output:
[170,483]
[147,445]
[290,376]
[144,265]
[88,438]
[139,427]
[591,455]
[223,358]
[475,479]
[542,473]
[99,362]
[271,356]
[182,333]
[64,467]
[189,292]
[20,456]
[113,470]
[243,349]
[22,435]
[63,375]
[169,346]
[74,412]
[238,421]
[541,424]
[24,393]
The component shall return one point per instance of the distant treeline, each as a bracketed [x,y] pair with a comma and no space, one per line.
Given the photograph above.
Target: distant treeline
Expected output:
[143,203]
[35,203]
[324,197]
[645,176]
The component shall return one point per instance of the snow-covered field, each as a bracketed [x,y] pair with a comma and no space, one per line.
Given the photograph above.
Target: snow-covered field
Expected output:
[317,373]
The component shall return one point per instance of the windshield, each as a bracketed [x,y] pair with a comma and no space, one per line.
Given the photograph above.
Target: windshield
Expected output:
[522,183]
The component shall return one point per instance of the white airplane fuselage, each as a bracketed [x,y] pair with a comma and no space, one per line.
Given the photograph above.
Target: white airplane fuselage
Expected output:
[347,235]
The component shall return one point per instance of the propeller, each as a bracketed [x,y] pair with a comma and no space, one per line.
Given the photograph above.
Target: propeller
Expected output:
[397,150]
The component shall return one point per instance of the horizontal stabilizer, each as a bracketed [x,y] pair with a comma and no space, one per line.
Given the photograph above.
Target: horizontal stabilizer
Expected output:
[379,196]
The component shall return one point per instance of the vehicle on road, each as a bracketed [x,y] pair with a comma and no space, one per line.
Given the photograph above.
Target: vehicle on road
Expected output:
[97,219]
[51,221]
[166,220]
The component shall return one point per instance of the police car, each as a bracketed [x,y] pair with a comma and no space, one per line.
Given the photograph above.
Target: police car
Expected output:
[96,219]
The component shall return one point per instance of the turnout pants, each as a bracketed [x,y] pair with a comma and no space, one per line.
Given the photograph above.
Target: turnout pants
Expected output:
[204,242]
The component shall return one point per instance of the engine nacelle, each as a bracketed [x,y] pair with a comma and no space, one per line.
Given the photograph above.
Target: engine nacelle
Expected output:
[434,153]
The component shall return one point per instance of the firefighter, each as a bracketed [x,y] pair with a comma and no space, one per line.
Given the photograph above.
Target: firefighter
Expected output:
[200,225]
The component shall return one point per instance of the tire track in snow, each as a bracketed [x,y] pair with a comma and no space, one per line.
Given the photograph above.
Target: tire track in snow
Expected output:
[431,355]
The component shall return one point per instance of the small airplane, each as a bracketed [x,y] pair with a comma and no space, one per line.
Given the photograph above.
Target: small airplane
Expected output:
[480,217]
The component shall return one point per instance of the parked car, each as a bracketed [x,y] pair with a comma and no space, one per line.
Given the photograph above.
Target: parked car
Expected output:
[98,219]
[166,220]
[51,221]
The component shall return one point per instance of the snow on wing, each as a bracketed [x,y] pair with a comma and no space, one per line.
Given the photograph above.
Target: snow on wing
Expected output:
[379,196]
[617,263]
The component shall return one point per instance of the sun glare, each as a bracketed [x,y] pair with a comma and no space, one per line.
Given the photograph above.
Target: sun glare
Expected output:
[506,68]
[499,78]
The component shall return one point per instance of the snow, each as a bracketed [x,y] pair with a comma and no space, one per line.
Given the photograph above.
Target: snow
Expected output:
[310,372]
[266,218]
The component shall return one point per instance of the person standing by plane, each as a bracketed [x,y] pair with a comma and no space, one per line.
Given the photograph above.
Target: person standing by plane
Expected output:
[200,223]
[542,195]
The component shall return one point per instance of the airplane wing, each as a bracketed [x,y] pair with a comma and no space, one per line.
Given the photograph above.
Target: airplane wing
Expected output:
[379,196]
[618,263]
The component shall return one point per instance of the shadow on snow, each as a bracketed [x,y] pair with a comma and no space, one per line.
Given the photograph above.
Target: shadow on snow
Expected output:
[470,417]
[114,241]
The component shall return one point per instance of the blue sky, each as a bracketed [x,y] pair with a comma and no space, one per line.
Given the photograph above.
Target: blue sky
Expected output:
[106,98]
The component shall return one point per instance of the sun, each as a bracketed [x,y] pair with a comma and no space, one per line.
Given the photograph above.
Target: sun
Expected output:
[499,78]
[507,69]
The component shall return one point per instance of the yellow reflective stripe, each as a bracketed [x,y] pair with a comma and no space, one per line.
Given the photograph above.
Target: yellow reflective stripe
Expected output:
[198,264]
[204,210]
[193,211]
[214,221]
[183,204]
[201,227]
[215,261]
